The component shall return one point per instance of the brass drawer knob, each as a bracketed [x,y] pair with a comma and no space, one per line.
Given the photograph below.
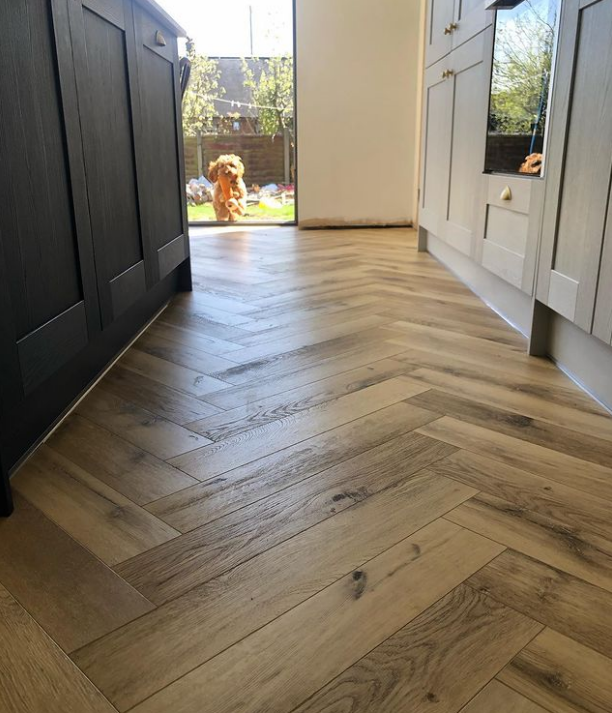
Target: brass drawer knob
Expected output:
[449,29]
[448,73]
[160,39]
[506,194]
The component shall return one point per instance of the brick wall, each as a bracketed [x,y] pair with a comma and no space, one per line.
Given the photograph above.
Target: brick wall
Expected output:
[263,156]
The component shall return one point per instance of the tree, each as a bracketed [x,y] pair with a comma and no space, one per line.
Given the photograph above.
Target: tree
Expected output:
[203,90]
[272,92]
[521,70]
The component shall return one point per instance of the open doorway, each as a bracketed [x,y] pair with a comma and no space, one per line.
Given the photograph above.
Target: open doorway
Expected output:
[239,101]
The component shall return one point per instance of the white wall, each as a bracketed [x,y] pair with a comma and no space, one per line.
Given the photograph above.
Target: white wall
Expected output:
[358,107]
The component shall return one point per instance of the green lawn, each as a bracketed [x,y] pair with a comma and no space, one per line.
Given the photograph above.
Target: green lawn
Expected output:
[255,213]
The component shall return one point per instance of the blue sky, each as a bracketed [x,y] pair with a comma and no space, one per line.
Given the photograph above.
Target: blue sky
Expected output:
[221,27]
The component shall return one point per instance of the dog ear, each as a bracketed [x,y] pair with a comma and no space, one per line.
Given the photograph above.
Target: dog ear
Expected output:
[213,172]
[239,166]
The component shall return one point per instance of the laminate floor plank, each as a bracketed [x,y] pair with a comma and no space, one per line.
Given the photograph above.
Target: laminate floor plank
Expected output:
[127,469]
[564,603]
[169,374]
[69,592]
[291,361]
[173,331]
[243,395]
[279,345]
[141,658]
[95,515]
[142,428]
[243,418]
[578,552]
[383,595]
[571,508]
[561,675]
[36,675]
[556,405]
[568,470]
[217,458]
[435,663]
[328,479]
[170,570]
[495,697]
[511,423]
[173,405]
[202,503]
[180,353]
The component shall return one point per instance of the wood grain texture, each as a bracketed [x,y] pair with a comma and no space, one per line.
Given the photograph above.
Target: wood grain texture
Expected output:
[212,499]
[131,471]
[511,423]
[256,413]
[49,680]
[495,697]
[219,457]
[208,551]
[562,602]
[71,594]
[575,472]
[386,499]
[571,549]
[383,595]
[437,662]
[144,429]
[569,507]
[171,404]
[100,518]
[140,659]
[562,675]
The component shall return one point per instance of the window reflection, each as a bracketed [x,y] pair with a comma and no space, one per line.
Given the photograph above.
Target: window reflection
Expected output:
[520,87]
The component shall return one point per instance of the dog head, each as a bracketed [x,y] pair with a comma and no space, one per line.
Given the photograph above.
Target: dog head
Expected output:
[230,166]
[532,163]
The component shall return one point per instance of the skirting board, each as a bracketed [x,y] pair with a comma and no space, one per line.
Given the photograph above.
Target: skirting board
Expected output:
[341,224]
[584,358]
[508,301]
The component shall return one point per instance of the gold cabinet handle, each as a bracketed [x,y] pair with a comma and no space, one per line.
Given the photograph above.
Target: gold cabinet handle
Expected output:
[160,39]
[448,73]
[506,194]
[449,29]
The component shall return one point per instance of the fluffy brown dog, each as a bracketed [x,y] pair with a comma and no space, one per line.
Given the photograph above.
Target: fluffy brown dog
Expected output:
[532,164]
[229,191]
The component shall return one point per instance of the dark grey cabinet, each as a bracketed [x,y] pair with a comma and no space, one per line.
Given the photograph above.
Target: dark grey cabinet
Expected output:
[93,236]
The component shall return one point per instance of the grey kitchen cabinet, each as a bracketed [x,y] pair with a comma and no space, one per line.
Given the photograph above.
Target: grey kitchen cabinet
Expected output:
[575,274]
[454,121]
[451,23]
[509,227]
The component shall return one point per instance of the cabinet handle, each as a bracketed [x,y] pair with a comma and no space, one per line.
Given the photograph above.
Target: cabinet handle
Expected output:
[160,39]
[506,194]
[448,73]
[449,29]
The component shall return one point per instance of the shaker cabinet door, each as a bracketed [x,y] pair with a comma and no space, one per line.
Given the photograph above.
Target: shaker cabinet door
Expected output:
[439,28]
[579,168]
[104,51]
[436,143]
[454,130]
[469,82]
[48,296]
[161,170]
[470,19]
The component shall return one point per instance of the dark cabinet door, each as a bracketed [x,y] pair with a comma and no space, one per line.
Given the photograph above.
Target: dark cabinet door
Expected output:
[104,53]
[48,296]
[161,171]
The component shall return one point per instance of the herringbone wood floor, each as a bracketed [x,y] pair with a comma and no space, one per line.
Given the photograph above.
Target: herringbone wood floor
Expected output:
[329,480]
